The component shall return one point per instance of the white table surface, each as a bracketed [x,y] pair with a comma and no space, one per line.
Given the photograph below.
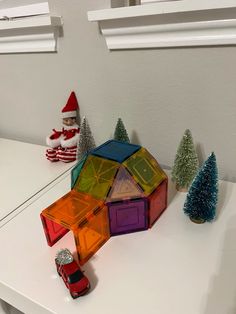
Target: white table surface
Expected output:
[25,171]
[177,267]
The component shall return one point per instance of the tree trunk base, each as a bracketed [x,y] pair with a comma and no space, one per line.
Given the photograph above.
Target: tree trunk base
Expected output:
[197,221]
[181,189]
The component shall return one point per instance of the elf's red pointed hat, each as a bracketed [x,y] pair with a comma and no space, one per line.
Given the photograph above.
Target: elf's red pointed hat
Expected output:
[71,107]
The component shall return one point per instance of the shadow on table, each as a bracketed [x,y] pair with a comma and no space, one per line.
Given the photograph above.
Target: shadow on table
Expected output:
[90,273]
[171,191]
[6,308]
[225,191]
[221,298]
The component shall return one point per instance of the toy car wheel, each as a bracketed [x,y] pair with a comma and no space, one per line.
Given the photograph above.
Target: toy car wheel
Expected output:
[58,273]
[74,296]
[88,288]
[86,291]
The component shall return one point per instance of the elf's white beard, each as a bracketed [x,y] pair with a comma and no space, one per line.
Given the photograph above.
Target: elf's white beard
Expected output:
[70,127]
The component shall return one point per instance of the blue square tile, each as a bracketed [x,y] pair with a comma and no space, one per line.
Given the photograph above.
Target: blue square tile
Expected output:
[115,150]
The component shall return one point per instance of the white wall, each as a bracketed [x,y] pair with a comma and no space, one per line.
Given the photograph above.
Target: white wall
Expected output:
[158,93]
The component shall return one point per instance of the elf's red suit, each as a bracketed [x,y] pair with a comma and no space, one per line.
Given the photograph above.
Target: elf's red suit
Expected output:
[63,144]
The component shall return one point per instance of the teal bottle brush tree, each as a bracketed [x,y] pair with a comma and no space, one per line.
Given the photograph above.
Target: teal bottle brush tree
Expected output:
[201,201]
[185,164]
[120,132]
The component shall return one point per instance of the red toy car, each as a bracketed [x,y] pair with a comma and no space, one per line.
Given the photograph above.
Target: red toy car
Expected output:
[69,270]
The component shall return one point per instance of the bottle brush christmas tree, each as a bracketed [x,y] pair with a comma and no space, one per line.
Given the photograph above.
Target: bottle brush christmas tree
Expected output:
[201,201]
[120,132]
[185,164]
[86,140]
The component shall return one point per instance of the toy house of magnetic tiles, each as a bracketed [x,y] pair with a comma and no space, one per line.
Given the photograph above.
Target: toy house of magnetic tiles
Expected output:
[117,188]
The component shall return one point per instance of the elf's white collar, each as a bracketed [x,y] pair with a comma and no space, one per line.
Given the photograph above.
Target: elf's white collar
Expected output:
[70,127]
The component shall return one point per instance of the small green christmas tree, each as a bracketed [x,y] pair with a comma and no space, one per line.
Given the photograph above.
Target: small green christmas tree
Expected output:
[186,163]
[201,201]
[120,132]
[86,140]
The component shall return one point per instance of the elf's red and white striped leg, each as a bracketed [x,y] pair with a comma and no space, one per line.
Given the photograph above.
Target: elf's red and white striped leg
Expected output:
[67,154]
[51,154]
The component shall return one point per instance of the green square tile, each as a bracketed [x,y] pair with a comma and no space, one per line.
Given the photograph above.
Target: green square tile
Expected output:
[96,177]
[145,170]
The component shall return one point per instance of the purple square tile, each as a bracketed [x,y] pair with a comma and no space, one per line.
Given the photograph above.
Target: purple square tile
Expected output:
[128,216]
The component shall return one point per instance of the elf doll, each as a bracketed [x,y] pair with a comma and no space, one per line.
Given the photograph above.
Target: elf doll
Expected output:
[63,143]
